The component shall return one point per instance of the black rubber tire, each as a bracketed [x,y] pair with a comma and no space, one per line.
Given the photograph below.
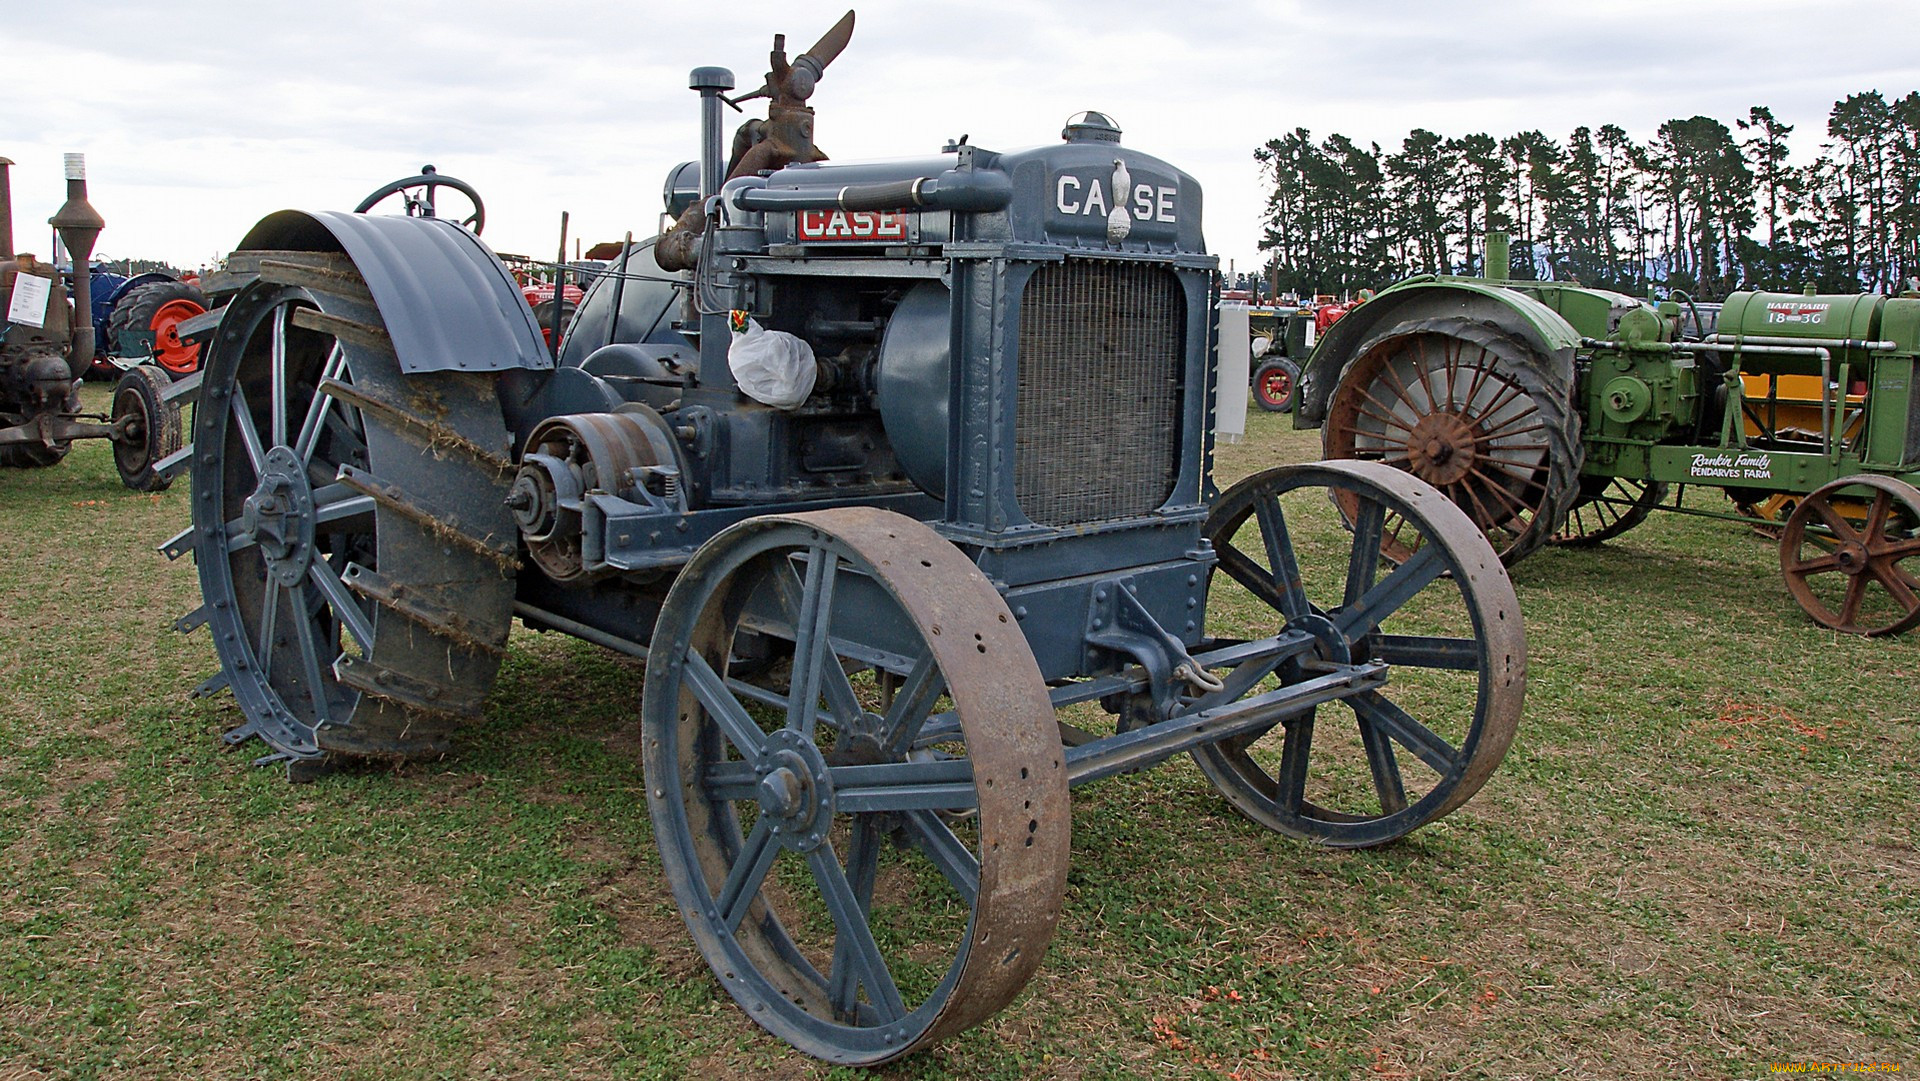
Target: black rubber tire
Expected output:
[135,309]
[371,622]
[1263,391]
[1553,473]
[543,315]
[155,434]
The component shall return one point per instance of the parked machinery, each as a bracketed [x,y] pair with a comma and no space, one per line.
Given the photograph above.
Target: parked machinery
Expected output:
[45,349]
[876,621]
[1554,413]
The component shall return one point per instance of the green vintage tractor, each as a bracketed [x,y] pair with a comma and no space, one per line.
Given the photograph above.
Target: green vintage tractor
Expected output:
[1553,413]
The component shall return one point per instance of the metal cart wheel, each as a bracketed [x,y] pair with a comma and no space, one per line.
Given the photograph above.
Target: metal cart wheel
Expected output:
[1379,765]
[859,894]
[1859,579]
[348,540]
[1608,507]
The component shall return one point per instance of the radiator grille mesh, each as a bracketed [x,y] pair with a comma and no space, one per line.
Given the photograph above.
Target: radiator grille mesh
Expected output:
[1097,434]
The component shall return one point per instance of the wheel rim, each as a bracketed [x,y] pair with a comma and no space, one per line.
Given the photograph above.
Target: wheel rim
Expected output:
[350,615]
[1277,386]
[1446,619]
[176,356]
[1610,509]
[1858,579]
[1449,411]
[756,790]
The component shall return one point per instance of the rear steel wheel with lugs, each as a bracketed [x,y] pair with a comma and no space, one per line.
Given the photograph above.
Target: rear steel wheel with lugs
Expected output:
[1857,576]
[1471,411]
[354,552]
[1376,766]
[869,845]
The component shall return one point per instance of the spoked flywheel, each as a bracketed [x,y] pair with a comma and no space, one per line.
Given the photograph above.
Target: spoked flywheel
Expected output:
[1471,411]
[354,552]
[1858,575]
[1373,767]
[868,843]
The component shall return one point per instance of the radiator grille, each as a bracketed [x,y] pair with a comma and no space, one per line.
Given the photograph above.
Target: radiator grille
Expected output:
[1099,408]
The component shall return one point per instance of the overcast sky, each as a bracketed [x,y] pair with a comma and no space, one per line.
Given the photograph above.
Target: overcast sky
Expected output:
[199,118]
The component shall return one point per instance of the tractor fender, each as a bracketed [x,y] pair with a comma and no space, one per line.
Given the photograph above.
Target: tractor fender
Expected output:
[447,300]
[1505,310]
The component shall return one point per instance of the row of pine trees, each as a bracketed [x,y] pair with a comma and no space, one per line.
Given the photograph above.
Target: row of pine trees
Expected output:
[1700,208]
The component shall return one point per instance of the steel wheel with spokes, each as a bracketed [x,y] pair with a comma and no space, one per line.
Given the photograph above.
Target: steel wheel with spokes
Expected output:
[869,843]
[1608,507]
[1472,412]
[1859,577]
[1378,765]
[348,523]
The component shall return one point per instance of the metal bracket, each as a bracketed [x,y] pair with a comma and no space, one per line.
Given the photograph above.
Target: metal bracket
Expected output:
[1119,623]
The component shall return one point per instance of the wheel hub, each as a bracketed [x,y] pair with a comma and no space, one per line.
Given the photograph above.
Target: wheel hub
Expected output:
[1440,449]
[279,516]
[795,793]
[1852,558]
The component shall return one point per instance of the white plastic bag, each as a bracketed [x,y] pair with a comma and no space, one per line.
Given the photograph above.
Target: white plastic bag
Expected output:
[770,366]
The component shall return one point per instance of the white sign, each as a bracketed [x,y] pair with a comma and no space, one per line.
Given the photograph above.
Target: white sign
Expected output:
[1744,465]
[29,305]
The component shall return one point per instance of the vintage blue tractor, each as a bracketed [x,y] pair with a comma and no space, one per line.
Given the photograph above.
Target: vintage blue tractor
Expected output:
[824,455]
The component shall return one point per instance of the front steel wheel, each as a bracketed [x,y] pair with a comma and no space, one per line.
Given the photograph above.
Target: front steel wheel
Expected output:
[869,842]
[1374,767]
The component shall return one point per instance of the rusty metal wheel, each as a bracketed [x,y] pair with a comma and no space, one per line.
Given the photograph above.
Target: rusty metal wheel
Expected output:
[861,891]
[1856,578]
[1472,412]
[1608,507]
[1378,765]
[355,554]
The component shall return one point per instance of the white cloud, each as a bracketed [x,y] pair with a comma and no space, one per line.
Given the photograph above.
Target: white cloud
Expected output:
[200,117]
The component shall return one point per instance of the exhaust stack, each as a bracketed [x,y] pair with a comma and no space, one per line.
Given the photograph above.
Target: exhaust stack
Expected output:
[79,226]
[6,211]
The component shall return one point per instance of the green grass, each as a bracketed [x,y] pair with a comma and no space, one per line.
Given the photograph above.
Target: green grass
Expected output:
[1697,859]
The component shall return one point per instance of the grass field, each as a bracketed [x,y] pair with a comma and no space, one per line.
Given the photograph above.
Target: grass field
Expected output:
[1698,859]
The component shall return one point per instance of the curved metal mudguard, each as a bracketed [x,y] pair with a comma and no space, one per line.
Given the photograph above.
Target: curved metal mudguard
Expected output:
[1513,313]
[447,300]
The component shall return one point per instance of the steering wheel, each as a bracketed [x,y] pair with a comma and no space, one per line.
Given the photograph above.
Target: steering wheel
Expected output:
[419,192]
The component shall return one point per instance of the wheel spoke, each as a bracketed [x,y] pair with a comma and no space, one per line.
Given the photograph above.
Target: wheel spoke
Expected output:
[1255,578]
[269,611]
[1363,563]
[1286,567]
[912,704]
[712,694]
[1891,578]
[948,852]
[1816,565]
[1418,651]
[309,646]
[812,652]
[1290,784]
[1358,619]
[1836,523]
[277,373]
[1385,769]
[309,437]
[748,872]
[862,953]
[863,864]
[339,510]
[1856,592]
[1384,716]
[249,435]
[345,608]
[921,784]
